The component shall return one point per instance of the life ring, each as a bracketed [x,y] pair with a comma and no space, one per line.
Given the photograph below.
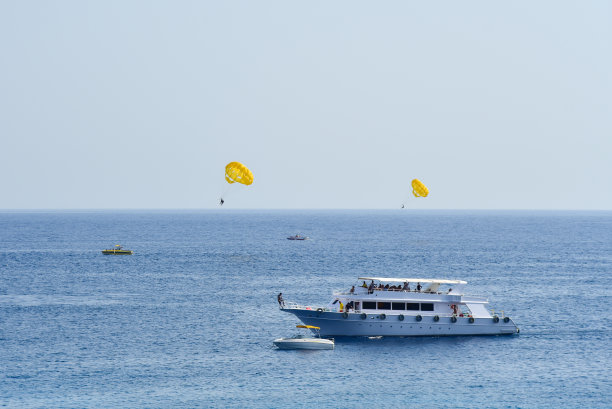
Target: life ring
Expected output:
[453,319]
[496,319]
[506,319]
[419,318]
[400,317]
[471,320]
[363,315]
[436,318]
[382,316]
[345,315]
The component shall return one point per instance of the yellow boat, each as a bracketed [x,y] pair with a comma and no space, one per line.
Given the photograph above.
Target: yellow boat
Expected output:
[117,250]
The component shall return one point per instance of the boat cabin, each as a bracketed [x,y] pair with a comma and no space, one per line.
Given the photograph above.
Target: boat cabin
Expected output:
[409,296]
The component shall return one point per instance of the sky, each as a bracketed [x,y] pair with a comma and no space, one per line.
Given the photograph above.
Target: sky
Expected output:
[331,104]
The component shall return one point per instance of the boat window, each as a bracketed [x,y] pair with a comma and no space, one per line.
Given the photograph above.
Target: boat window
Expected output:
[369,305]
[398,306]
[427,307]
[384,305]
[412,306]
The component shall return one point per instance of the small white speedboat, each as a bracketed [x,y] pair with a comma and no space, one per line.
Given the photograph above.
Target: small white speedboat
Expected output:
[303,342]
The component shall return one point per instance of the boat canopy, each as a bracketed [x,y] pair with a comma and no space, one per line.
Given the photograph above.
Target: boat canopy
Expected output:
[414,280]
[307,326]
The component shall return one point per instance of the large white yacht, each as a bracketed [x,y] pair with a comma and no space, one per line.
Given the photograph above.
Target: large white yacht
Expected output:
[378,306]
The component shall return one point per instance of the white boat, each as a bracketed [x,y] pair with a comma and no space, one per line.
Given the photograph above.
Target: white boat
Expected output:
[379,306]
[303,342]
[297,237]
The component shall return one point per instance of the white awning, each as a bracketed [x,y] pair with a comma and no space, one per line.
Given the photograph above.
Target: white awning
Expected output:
[413,280]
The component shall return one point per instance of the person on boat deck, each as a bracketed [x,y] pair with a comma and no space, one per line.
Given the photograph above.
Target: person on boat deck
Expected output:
[419,287]
[281,302]
[371,287]
[352,290]
[406,287]
[364,285]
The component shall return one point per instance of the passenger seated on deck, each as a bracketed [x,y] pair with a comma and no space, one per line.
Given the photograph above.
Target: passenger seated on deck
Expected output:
[419,287]
[364,285]
[387,287]
[406,287]
[352,290]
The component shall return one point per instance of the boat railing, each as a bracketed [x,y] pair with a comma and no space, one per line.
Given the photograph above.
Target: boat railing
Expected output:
[295,306]
[365,291]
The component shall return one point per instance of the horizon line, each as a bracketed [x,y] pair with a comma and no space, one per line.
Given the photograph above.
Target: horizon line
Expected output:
[191,209]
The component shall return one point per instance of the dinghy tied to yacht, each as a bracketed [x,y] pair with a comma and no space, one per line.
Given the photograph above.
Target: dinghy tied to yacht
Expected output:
[303,342]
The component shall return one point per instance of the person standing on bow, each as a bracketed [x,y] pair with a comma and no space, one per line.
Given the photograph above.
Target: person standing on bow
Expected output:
[281,302]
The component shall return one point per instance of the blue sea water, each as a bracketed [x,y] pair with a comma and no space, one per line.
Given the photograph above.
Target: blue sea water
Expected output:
[189,319]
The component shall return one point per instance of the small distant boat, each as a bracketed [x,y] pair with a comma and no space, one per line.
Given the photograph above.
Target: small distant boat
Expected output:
[118,249]
[303,342]
[297,237]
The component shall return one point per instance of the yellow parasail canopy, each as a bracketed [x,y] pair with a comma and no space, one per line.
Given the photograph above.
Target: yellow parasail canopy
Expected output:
[307,326]
[237,172]
[419,189]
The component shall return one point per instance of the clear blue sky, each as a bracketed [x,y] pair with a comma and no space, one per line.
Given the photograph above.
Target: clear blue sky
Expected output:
[332,104]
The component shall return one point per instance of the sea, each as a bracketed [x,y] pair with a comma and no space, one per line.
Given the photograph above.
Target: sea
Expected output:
[188,320]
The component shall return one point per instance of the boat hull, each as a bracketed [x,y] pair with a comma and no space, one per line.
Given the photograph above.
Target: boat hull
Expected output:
[334,324]
[304,343]
[118,252]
